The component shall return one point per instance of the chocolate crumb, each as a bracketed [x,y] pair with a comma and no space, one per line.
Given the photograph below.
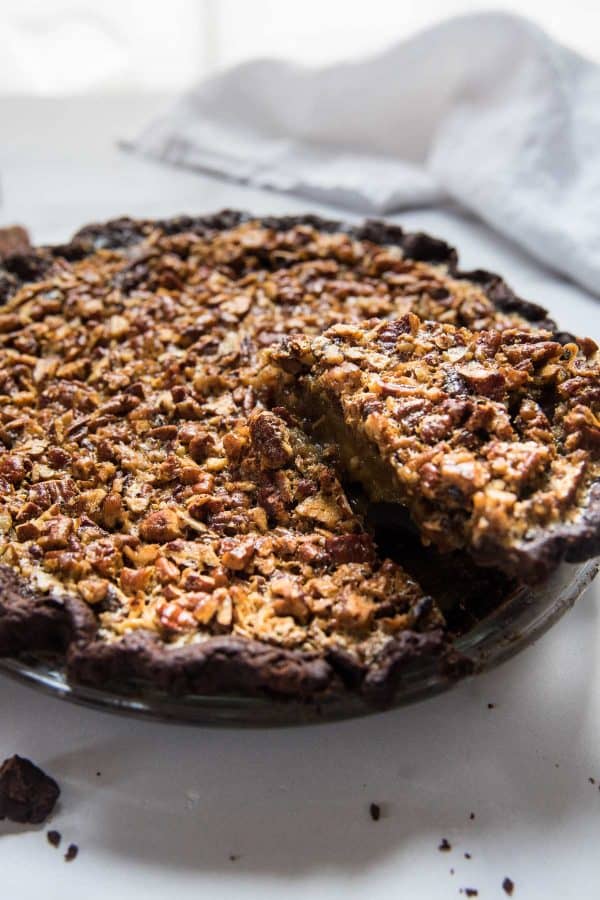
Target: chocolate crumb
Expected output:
[592,780]
[470,892]
[472,816]
[27,794]
[71,854]
[445,845]
[508,886]
[54,838]
[233,857]
[452,871]
[491,706]
[98,774]
[375,811]
[14,239]
[467,856]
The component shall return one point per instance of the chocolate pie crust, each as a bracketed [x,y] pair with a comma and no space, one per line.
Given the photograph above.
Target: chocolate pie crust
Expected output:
[301,274]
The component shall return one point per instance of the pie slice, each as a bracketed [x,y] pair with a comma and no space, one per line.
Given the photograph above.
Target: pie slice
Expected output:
[491,440]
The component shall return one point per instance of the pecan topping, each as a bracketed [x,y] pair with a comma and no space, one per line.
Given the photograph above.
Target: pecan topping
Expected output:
[142,471]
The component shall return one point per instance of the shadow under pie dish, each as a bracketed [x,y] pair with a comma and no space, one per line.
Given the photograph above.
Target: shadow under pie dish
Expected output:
[160,524]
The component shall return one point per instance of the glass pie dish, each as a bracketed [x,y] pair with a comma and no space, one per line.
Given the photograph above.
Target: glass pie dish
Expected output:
[515,623]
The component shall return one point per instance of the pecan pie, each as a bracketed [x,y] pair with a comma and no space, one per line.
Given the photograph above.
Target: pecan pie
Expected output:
[490,439]
[158,522]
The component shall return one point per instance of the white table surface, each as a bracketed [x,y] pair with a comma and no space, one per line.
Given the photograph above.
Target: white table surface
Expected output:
[173,803]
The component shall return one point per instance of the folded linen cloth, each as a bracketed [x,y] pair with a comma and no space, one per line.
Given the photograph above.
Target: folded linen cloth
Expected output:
[485,110]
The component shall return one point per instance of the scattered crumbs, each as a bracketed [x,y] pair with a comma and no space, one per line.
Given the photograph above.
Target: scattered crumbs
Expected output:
[54,838]
[491,706]
[375,811]
[445,845]
[508,886]
[27,794]
[472,816]
[470,892]
[467,856]
[592,780]
[233,857]
[71,854]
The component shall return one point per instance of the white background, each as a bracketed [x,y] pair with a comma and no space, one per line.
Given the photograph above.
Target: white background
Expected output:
[63,46]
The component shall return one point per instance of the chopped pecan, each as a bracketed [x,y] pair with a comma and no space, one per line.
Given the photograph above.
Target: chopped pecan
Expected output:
[198,440]
[119,405]
[322,508]
[194,581]
[174,617]
[483,381]
[270,439]
[57,457]
[66,564]
[134,581]
[160,526]
[191,474]
[237,555]
[289,600]
[27,531]
[163,432]
[354,612]
[205,606]
[225,610]
[46,493]
[56,534]
[105,558]
[112,510]
[166,570]
[389,334]
[93,590]
[234,444]
[14,468]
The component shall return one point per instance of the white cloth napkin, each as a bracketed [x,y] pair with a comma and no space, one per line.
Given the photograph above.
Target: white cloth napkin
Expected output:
[485,110]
